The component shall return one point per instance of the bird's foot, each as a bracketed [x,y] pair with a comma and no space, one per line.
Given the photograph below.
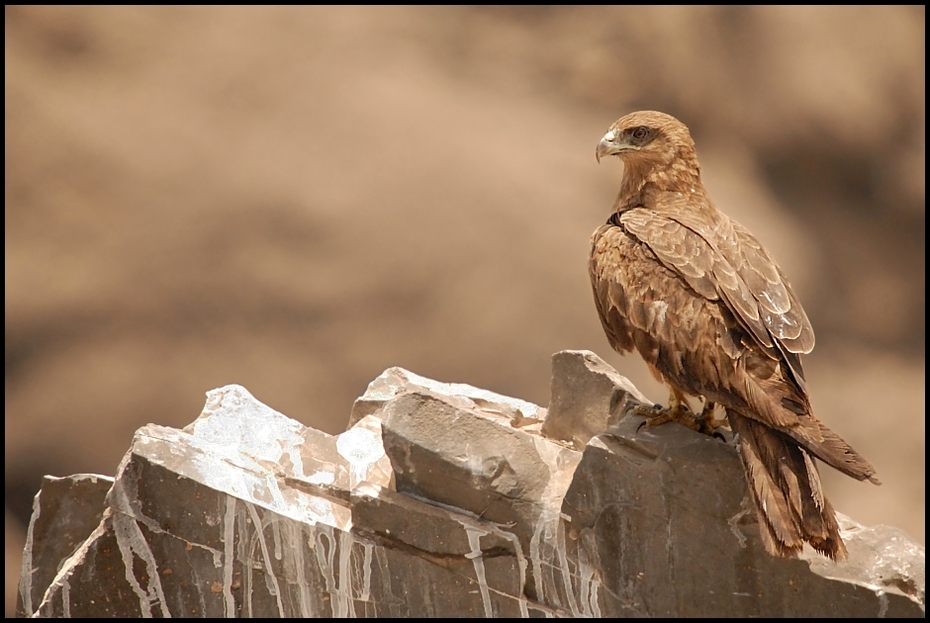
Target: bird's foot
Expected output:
[657,415]
[679,411]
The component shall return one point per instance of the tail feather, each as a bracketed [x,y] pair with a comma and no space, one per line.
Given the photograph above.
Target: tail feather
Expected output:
[786,489]
[816,491]
[776,403]
[830,448]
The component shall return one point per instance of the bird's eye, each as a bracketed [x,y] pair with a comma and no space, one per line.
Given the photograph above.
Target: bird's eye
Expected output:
[641,133]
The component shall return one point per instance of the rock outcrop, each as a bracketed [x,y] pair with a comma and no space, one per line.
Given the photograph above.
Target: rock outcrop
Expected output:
[439,500]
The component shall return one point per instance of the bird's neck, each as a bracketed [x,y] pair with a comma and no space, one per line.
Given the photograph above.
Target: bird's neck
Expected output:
[643,180]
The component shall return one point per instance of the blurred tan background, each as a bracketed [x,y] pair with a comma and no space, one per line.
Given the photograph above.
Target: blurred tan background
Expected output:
[296,198]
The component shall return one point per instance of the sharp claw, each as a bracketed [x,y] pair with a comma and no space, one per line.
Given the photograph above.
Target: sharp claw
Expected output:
[679,411]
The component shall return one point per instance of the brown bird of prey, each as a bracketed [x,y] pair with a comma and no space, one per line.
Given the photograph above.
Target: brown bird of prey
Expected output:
[714,317]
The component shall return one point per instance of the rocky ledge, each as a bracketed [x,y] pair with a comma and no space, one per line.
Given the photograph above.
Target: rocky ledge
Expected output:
[439,500]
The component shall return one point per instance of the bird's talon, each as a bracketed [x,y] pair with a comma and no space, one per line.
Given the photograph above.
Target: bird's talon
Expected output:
[648,411]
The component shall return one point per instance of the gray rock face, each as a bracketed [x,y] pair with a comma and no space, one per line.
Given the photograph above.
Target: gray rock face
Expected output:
[664,514]
[587,396]
[63,514]
[439,500]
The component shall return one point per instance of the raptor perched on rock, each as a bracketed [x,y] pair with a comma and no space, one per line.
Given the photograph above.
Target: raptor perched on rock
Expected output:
[704,304]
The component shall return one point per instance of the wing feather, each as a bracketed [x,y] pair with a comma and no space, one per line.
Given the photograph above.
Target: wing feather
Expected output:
[781,309]
[720,259]
[701,265]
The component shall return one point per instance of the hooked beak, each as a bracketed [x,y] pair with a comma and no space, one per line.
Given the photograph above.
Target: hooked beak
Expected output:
[607,146]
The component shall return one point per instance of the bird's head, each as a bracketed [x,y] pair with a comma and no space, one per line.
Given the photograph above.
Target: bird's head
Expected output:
[649,140]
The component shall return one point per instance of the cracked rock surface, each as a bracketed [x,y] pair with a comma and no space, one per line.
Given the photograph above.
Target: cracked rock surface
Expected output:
[439,500]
